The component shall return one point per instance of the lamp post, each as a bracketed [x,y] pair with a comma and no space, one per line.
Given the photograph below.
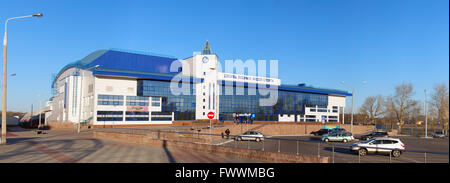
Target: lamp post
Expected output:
[3,141]
[426,115]
[353,97]
[81,97]
[40,112]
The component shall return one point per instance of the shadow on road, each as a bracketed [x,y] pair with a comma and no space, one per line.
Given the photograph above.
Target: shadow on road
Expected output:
[169,155]
[11,141]
[342,150]
[315,138]
[17,129]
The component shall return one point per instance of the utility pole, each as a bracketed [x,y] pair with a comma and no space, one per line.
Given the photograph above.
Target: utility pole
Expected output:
[4,109]
[426,115]
[40,112]
[353,106]
[31,115]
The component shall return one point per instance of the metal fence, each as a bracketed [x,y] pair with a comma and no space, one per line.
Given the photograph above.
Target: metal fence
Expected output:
[337,152]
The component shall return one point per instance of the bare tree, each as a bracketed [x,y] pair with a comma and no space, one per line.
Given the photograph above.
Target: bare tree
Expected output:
[400,104]
[440,103]
[373,108]
[414,113]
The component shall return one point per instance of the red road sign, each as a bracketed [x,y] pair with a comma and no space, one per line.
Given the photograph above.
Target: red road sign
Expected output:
[210,115]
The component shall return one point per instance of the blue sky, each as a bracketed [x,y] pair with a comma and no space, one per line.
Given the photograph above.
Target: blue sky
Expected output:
[317,42]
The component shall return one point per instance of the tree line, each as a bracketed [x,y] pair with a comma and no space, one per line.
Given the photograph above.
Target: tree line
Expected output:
[400,108]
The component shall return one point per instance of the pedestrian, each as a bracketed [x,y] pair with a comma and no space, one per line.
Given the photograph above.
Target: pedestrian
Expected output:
[222,134]
[228,133]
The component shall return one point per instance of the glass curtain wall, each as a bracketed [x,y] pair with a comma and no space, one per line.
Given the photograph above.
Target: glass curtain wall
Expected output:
[183,106]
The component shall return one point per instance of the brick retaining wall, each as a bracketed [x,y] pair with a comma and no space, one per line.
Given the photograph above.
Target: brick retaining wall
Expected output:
[147,139]
[61,125]
[286,129]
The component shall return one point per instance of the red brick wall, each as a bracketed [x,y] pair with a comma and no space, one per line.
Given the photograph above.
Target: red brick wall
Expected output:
[242,153]
[61,125]
[286,129]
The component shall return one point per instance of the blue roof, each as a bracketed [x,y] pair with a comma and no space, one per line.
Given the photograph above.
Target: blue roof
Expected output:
[290,88]
[152,76]
[313,90]
[124,61]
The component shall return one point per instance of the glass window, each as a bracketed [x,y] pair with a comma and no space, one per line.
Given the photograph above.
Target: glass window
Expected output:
[377,142]
[110,99]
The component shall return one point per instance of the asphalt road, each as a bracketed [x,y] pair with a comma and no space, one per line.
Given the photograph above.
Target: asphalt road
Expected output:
[314,147]
[67,146]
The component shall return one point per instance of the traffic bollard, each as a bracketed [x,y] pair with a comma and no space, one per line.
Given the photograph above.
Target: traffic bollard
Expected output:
[297,147]
[263,145]
[390,157]
[359,158]
[333,154]
[425,157]
[318,150]
[278,145]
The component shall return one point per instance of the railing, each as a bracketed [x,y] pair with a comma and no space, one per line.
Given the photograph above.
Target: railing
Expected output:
[337,153]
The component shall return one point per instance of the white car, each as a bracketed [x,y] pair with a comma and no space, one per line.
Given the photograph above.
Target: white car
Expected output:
[438,135]
[250,135]
[379,145]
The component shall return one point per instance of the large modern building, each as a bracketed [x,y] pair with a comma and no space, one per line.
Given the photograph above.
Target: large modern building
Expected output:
[114,87]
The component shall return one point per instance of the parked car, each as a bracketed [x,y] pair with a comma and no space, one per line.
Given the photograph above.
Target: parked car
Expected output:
[337,130]
[340,137]
[250,135]
[373,135]
[379,145]
[438,134]
[320,132]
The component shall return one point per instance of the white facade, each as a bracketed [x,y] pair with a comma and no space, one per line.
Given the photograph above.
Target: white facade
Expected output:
[111,100]
[67,102]
[331,113]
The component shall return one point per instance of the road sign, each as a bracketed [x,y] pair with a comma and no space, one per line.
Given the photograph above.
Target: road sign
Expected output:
[210,115]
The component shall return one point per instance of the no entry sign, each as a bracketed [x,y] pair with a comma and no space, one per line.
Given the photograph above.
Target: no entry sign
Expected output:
[210,115]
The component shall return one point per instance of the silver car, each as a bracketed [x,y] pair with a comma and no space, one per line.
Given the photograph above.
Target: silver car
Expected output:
[379,145]
[250,135]
[438,135]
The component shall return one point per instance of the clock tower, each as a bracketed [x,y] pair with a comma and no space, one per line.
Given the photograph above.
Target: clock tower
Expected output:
[204,66]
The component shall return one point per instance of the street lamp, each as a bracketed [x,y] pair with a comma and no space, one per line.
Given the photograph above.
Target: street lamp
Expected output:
[3,141]
[81,97]
[426,114]
[353,96]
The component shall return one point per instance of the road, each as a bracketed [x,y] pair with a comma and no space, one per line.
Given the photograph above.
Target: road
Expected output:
[312,146]
[66,146]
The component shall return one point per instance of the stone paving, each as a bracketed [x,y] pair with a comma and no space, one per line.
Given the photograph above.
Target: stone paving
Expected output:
[66,146]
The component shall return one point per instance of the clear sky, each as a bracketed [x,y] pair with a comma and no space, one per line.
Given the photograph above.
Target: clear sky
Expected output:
[317,42]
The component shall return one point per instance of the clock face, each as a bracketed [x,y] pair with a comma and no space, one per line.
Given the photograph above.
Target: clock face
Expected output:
[205,60]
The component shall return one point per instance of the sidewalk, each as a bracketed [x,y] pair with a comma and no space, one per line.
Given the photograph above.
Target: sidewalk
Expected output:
[66,146]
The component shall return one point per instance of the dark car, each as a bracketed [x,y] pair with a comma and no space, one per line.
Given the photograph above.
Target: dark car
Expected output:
[373,135]
[320,132]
